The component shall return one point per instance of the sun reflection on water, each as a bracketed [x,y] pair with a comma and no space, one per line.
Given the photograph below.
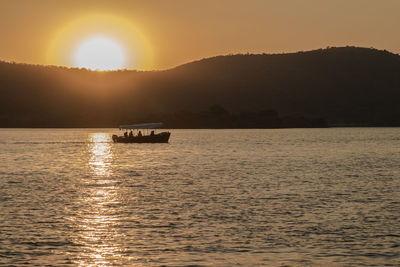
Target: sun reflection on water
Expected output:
[99,204]
[101,155]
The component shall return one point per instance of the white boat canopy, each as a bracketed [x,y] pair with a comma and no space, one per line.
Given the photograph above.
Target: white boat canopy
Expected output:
[154,125]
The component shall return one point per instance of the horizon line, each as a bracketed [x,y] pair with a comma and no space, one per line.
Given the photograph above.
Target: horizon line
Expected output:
[193,61]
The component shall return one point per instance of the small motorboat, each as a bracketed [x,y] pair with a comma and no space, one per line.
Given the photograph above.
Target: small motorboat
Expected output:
[153,137]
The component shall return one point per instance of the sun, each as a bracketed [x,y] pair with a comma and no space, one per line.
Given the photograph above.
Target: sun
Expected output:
[100,53]
[100,41]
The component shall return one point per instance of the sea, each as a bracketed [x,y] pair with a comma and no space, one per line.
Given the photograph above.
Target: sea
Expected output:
[257,197]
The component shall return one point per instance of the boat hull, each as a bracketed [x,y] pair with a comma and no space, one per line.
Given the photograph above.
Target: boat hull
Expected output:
[156,138]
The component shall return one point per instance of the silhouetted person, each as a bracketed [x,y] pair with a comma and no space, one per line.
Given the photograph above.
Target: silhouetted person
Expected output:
[140,133]
[152,133]
[126,134]
[130,134]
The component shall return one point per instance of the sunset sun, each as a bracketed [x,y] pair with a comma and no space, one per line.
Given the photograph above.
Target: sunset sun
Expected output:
[100,41]
[100,53]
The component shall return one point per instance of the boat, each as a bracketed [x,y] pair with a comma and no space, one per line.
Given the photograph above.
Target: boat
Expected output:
[153,137]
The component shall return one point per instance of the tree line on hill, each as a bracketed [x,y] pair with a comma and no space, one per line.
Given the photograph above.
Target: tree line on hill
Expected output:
[217,117]
[333,86]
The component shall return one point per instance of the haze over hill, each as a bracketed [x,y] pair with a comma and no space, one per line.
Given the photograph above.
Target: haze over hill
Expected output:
[347,85]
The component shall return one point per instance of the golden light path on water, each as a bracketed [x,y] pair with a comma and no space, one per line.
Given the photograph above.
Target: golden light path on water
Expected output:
[101,155]
[97,236]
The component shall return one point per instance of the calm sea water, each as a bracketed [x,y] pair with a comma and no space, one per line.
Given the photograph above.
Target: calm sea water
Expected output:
[293,197]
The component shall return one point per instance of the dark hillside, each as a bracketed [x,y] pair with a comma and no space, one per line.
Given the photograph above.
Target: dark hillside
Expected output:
[348,85]
[343,85]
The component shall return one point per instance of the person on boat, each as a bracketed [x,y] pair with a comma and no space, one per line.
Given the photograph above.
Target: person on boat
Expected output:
[140,133]
[152,133]
[130,134]
[126,134]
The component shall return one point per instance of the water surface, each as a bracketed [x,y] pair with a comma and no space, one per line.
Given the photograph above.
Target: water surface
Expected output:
[294,197]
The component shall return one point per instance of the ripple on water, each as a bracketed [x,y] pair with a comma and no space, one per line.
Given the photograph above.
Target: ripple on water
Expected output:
[210,197]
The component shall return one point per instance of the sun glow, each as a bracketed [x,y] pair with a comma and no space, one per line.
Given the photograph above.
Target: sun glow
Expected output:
[100,53]
[100,42]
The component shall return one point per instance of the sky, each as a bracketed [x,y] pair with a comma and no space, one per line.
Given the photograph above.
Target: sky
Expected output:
[163,34]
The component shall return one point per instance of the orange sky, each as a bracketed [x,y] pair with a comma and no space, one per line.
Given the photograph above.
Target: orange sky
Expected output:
[165,33]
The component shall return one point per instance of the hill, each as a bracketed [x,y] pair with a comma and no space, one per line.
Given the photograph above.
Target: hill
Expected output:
[343,86]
